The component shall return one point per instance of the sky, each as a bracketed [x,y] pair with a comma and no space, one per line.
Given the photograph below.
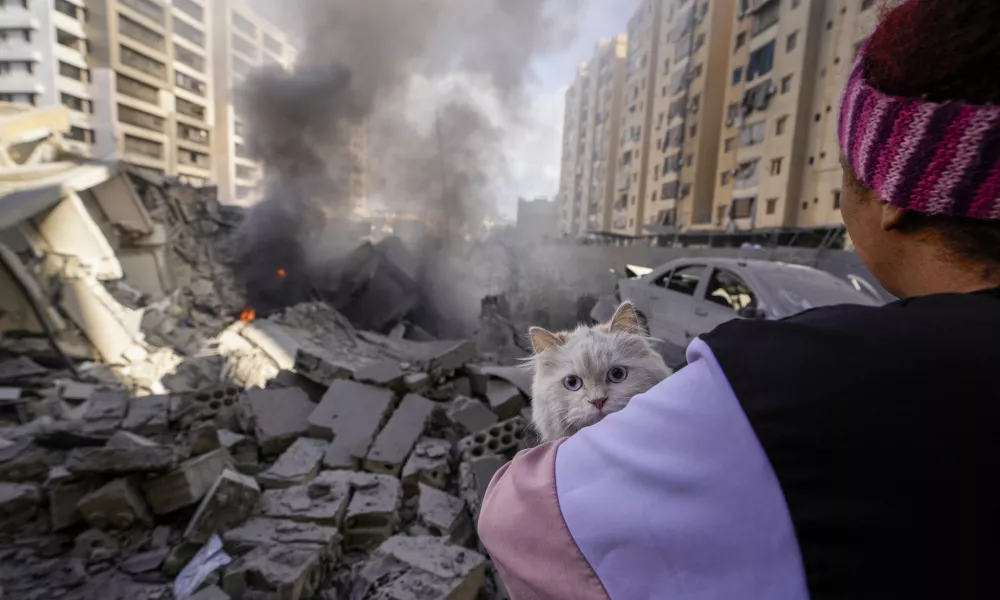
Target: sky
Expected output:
[533,150]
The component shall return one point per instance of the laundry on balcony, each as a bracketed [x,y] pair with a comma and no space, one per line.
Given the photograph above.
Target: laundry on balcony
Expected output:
[758,97]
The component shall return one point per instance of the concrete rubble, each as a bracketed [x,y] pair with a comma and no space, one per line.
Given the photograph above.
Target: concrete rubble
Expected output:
[141,416]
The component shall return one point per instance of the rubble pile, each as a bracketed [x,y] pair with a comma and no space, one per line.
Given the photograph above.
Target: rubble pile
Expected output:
[355,471]
[159,441]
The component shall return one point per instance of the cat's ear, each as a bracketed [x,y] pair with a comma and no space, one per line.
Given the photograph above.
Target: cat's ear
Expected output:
[626,320]
[542,339]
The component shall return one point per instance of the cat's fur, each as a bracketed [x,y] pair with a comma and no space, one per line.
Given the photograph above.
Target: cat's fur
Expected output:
[590,353]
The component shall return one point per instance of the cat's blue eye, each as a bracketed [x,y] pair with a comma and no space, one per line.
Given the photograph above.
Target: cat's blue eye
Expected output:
[617,374]
[573,383]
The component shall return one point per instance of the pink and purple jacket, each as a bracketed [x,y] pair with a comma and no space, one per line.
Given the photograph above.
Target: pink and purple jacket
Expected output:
[775,465]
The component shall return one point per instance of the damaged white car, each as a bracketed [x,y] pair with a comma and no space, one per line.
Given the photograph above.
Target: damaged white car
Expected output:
[686,298]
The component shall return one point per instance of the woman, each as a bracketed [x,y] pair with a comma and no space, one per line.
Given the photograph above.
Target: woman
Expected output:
[848,452]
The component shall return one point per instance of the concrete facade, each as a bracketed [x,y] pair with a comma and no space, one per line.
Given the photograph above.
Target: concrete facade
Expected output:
[243,42]
[43,62]
[728,120]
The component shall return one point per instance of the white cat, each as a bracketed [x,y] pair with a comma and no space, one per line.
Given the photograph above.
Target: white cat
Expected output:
[584,375]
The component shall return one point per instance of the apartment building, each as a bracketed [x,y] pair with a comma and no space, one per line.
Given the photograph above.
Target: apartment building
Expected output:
[575,136]
[607,96]
[643,77]
[779,164]
[152,82]
[852,22]
[688,109]
[43,61]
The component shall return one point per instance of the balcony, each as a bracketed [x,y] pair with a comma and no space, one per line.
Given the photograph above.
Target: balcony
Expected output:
[14,16]
[148,8]
[141,62]
[189,58]
[244,25]
[136,89]
[190,84]
[246,173]
[142,34]
[190,8]
[131,116]
[189,32]
[273,45]
[190,109]
[71,41]
[241,45]
[189,158]
[68,8]
[192,134]
[747,175]
[74,72]
[143,147]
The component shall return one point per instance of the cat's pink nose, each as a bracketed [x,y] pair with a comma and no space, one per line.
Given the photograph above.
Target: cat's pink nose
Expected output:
[599,403]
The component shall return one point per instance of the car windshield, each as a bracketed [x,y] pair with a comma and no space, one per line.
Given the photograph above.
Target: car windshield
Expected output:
[794,289]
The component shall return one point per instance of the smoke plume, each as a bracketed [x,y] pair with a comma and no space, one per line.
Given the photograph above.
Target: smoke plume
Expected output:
[432,82]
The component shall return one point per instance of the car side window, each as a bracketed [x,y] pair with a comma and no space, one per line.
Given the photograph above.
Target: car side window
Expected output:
[685,280]
[663,280]
[727,290]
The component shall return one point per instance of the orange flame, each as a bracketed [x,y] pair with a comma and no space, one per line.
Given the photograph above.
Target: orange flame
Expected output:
[249,314]
[282,273]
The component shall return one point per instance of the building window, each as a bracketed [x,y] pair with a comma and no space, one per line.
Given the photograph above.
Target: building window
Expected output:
[765,18]
[189,32]
[730,142]
[836,199]
[190,109]
[79,134]
[741,40]
[737,75]
[694,130]
[772,205]
[796,3]
[189,83]
[792,42]
[631,222]
[244,24]
[192,8]
[652,197]
[697,72]
[781,126]
[189,58]
[73,72]
[786,84]
[776,166]
[805,205]
[753,134]
[272,45]
[724,179]
[690,160]
[761,61]
[720,214]
[131,116]
[743,207]
[77,104]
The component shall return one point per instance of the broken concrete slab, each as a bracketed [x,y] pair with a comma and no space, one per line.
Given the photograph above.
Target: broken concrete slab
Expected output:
[481,375]
[243,449]
[257,532]
[188,484]
[417,383]
[145,562]
[212,592]
[19,368]
[280,343]
[450,356]
[497,439]
[462,386]
[148,415]
[25,462]
[116,505]
[277,417]
[470,414]
[373,514]
[203,438]
[227,504]
[64,497]
[444,515]
[124,454]
[288,573]
[505,398]
[95,546]
[322,501]
[385,374]
[18,504]
[319,366]
[474,477]
[106,409]
[428,464]
[299,464]
[394,444]
[11,396]
[409,568]
[350,414]
[75,392]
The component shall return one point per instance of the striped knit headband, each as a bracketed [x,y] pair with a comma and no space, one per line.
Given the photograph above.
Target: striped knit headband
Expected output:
[932,158]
